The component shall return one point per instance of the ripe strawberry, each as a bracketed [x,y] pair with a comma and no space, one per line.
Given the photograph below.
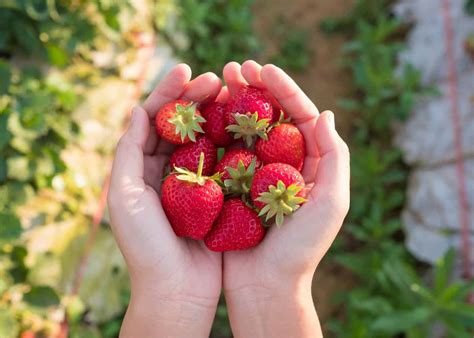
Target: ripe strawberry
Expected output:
[238,227]
[237,168]
[178,122]
[285,144]
[191,201]
[249,112]
[187,156]
[277,191]
[215,115]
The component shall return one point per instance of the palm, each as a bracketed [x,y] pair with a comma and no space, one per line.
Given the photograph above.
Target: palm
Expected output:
[304,238]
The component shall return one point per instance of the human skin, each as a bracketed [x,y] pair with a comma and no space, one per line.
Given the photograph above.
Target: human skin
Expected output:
[268,288]
[176,282]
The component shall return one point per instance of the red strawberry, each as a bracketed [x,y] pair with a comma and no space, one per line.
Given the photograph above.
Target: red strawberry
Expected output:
[238,227]
[178,122]
[215,115]
[191,202]
[285,144]
[28,334]
[237,168]
[249,112]
[277,191]
[187,156]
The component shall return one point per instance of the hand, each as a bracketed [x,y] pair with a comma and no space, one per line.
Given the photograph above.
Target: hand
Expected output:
[268,288]
[175,282]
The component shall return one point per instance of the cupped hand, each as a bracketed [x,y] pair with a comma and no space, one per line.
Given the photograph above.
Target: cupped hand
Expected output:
[284,263]
[176,282]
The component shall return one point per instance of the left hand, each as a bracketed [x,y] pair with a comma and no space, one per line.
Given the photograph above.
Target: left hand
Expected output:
[176,282]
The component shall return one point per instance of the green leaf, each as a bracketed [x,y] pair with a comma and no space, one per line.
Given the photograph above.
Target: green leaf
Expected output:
[443,271]
[57,56]
[3,169]
[220,153]
[5,77]
[10,227]
[75,308]
[19,168]
[41,296]
[46,270]
[9,327]
[4,133]
[401,321]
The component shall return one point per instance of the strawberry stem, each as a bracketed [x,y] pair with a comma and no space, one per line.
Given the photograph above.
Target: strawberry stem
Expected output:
[200,165]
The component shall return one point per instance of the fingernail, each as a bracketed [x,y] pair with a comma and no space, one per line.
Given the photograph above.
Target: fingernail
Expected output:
[330,117]
[134,114]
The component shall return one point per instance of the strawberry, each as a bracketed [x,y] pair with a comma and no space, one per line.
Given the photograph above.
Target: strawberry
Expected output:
[238,227]
[192,202]
[249,112]
[187,156]
[277,191]
[237,168]
[178,122]
[285,144]
[215,115]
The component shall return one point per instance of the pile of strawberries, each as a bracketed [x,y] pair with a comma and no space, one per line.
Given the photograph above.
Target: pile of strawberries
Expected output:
[229,202]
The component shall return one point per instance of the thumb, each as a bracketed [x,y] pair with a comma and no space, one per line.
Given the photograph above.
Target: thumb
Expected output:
[128,162]
[321,217]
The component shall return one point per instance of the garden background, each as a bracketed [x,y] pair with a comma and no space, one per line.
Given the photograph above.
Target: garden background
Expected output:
[70,71]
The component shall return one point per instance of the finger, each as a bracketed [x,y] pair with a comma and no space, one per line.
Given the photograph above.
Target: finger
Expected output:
[205,87]
[288,94]
[333,175]
[233,77]
[251,73]
[170,88]
[154,170]
[128,163]
[224,95]
[152,141]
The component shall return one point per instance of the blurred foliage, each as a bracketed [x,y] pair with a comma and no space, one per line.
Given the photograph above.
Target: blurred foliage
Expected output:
[38,40]
[46,49]
[294,50]
[391,298]
[208,34]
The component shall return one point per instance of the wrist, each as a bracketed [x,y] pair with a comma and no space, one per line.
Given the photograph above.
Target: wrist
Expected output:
[155,312]
[283,310]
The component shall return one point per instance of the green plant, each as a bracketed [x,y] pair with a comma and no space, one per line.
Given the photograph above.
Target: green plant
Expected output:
[391,298]
[38,39]
[396,300]
[294,49]
[208,34]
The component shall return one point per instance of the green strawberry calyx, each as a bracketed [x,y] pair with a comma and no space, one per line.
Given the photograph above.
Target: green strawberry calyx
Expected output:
[249,127]
[195,177]
[280,201]
[186,121]
[281,120]
[241,178]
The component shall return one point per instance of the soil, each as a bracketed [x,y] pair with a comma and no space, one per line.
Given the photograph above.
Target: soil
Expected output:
[324,81]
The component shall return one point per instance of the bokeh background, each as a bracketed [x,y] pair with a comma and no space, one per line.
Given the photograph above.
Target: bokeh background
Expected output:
[398,74]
